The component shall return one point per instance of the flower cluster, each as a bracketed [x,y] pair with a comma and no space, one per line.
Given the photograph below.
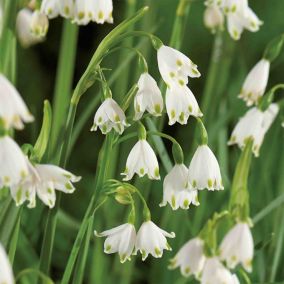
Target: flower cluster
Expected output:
[26,179]
[150,239]
[235,248]
[32,24]
[238,14]
[175,68]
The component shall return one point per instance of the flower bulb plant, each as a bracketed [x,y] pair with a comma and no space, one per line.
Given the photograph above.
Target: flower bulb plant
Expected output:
[115,163]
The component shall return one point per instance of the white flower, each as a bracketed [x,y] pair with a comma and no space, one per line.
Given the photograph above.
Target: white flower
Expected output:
[13,165]
[175,67]
[237,247]
[42,181]
[120,239]
[204,170]
[180,104]
[176,189]
[50,8]
[152,240]
[240,17]
[255,83]
[108,116]
[253,125]
[142,160]
[213,18]
[190,258]
[84,11]
[66,8]
[214,272]
[13,111]
[99,11]
[23,28]
[6,272]
[39,24]
[148,97]
[103,11]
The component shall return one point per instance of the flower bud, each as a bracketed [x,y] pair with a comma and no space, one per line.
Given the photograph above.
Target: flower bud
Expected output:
[213,18]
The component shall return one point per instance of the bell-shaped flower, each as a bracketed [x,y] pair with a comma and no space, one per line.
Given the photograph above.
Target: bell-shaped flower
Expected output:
[213,18]
[103,11]
[13,110]
[253,125]
[237,247]
[120,239]
[66,8]
[50,8]
[84,11]
[180,104]
[109,116]
[13,165]
[215,272]
[23,29]
[190,258]
[39,24]
[255,83]
[176,189]
[152,240]
[6,272]
[175,67]
[148,97]
[204,170]
[43,180]
[142,160]
[240,17]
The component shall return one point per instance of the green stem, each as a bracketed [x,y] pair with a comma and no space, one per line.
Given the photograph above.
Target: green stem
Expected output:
[212,74]
[64,78]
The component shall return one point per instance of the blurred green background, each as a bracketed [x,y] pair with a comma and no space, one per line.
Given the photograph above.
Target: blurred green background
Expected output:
[36,73]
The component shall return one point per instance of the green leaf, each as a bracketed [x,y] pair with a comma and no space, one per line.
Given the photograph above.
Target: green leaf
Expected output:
[43,138]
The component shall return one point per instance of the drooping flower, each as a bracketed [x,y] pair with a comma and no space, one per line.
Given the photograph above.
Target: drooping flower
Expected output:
[120,239]
[109,116]
[23,28]
[50,8]
[142,160]
[253,125]
[215,272]
[213,18]
[13,166]
[240,17]
[84,11]
[148,97]
[66,8]
[39,24]
[6,272]
[175,67]
[190,258]
[204,170]
[180,104]
[237,247]
[176,189]
[152,240]
[13,110]
[255,83]
[43,180]
[103,11]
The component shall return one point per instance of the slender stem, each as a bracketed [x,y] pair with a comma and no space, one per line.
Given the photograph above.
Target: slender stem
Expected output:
[64,78]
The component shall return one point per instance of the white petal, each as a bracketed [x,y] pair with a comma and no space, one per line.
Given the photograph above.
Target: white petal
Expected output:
[6,273]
